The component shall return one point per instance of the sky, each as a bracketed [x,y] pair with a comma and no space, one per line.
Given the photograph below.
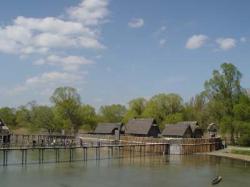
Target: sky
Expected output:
[112,51]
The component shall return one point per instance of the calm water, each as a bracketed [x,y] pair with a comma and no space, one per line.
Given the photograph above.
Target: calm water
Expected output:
[173,171]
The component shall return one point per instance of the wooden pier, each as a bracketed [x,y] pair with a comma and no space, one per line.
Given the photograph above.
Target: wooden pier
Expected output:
[86,153]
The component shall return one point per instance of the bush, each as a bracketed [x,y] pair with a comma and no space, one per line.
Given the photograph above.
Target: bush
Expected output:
[244,140]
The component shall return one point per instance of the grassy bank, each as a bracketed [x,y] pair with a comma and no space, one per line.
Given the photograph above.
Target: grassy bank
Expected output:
[240,152]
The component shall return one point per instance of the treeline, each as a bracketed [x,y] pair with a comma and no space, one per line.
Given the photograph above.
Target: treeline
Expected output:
[222,101]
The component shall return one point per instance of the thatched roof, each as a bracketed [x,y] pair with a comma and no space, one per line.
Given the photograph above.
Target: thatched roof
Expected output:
[107,128]
[176,130]
[139,126]
[193,124]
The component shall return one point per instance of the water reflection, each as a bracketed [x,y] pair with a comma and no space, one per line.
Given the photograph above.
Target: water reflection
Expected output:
[157,171]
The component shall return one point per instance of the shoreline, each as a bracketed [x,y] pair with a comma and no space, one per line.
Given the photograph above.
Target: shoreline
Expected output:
[226,153]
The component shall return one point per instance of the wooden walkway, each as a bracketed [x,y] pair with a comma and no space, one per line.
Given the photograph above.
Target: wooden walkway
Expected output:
[122,150]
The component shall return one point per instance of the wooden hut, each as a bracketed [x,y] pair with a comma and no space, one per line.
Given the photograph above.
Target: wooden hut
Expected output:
[142,127]
[177,131]
[4,133]
[108,128]
[212,129]
[197,131]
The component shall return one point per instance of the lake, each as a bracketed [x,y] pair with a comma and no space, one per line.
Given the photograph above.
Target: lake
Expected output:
[158,171]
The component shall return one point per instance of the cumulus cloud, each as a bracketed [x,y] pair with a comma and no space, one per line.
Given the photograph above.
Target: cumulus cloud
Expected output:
[89,12]
[196,41]
[48,81]
[226,43]
[52,41]
[79,29]
[136,23]
[68,63]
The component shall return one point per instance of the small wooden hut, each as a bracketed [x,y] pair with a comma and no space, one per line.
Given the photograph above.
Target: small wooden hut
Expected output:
[197,131]
[108,128]
[4,133]
[177,131]
[142,127]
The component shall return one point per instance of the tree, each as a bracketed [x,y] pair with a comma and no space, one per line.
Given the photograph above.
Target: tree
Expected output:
[161,105]
[67,107]
[89,116]
[135,109]
[23,117]
[224,88]
[197,110]
[112,113]
[8,116]
[43,117]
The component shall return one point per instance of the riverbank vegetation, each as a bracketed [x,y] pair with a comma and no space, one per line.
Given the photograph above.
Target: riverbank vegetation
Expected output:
[223,101]
[241,152]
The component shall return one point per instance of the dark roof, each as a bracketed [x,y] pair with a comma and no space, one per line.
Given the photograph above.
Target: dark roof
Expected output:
[1,123]
[139,126]
[193,124]
[175,130]
[107,128]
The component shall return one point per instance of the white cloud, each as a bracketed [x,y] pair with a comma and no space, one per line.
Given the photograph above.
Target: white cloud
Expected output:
[52,25]
[78,28]
[68,63]
[89,12]
[48,81]
[162,42]
[226,43]
[196,41]
[27,35]
[136,23]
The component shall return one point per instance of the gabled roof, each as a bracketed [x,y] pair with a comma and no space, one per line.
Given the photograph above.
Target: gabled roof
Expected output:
[107,128]
[193,124]
[176,130]
[139,126]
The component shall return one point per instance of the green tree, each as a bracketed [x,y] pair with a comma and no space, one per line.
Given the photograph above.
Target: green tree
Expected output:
[43,117]
[135,109]
[23,117]
[197,110]
[162,105]
[89,116]
[112,113]
[8,116]
[224,88]
[67,108]
[172,119]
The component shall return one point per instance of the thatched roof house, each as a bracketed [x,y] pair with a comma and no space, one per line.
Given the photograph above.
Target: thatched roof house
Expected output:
[142,127]
[196,130]
[4,133]
[108,128]
[177,131]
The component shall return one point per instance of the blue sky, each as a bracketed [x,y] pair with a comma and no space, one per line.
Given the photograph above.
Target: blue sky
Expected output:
[116,50]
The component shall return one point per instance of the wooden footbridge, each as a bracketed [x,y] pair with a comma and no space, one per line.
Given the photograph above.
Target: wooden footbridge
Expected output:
[57,154]
[39,149]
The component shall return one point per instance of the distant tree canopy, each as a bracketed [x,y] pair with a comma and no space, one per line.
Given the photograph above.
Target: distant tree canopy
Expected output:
[112,113]
[222,101]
